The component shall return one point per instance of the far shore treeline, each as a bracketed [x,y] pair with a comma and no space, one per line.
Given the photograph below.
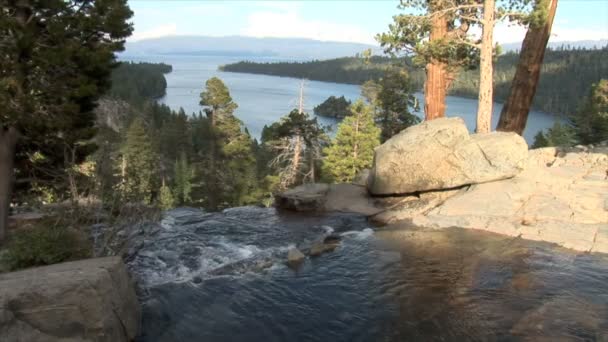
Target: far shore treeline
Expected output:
[566,77]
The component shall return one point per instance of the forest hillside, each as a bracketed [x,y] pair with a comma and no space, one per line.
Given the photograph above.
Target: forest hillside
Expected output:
[566,77]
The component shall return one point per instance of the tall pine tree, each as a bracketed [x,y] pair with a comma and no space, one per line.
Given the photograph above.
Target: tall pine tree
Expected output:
[182,177]
[352,150]
[230,174]
[55,62]
[140,164]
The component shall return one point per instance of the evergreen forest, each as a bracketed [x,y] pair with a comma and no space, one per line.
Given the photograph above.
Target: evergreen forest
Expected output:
[565,81]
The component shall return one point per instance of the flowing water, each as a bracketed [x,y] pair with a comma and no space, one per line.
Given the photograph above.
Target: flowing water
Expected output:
[265,99]
[222,277]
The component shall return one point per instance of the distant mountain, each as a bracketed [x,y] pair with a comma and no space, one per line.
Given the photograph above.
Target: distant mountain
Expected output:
[288,48]
[588,44]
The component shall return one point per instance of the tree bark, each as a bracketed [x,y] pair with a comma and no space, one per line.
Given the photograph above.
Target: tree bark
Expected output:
[69,156]
[435,87]
[295,167]
[514,114]
[8,140]
[486,70]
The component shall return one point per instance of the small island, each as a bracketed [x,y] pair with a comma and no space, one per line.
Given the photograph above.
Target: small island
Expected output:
[334,107]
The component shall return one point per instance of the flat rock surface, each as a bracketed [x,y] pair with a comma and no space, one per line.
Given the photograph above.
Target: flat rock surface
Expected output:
[307,197]
[344,197]
[560,198]
[351,198]
[405,208]
[87,300]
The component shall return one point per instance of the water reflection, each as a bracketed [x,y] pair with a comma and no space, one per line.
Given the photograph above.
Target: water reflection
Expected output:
[464,285]
[202,281]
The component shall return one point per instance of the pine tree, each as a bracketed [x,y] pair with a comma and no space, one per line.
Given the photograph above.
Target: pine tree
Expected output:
[48,90]
[560,134]
[231,172]
[182,177]
[437,34]
[591,121]
[166,199]
[352,150]
[540,140]
[174,137]
[297,142]
[140,164]
[392,99]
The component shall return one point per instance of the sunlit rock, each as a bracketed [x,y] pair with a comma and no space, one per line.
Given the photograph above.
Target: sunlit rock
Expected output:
[88,300]
[440,154]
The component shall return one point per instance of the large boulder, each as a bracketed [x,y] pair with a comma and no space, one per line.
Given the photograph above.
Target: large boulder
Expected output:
[87,300]
[440,154]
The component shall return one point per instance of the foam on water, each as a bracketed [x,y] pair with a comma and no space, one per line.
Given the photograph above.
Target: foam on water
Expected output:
[359,234]
[194,244]
[223,277]
[328,229]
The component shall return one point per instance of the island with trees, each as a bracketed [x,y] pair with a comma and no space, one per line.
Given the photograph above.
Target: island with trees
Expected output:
[334,107]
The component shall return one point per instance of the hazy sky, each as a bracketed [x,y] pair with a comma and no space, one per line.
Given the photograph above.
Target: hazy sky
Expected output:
[344,20]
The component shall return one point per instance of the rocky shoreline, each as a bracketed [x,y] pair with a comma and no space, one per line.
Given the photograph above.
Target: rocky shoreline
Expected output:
[434,175]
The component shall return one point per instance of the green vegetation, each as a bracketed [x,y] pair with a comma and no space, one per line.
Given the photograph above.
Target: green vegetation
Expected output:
[138,164]
[591,123]
[230,170]
[148,154]
[352,150]
[294,148]
[166,200]
[349,70]
[588,126]
[566,77]
[56,59]
[44,245]
[335,107]
[558,135]
[393,102]
[136,82]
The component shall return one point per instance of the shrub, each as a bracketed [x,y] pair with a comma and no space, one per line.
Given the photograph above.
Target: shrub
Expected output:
[48,245]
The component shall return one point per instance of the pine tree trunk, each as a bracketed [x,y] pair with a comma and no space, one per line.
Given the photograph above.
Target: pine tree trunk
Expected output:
[514,114]
[69,156]
[8,140]
[435,87]
[312,166]
[297,152]
[484,110]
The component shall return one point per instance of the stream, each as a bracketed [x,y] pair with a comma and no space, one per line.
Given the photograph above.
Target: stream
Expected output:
[222,277]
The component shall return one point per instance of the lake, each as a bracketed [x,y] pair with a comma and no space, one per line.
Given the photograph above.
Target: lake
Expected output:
[264,99]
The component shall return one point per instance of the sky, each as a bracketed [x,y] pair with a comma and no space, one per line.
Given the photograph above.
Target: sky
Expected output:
[341,20]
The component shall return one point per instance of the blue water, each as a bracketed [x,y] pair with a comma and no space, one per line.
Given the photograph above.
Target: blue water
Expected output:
[264,99]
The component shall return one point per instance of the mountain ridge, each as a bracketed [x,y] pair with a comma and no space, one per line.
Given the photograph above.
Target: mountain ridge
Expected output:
[231,45]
